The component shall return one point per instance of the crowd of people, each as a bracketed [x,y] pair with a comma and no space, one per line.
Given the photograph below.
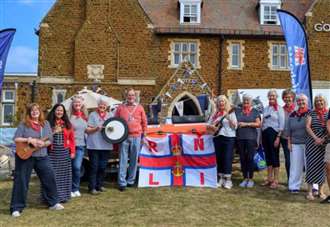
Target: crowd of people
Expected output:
[302,132]
[58,159]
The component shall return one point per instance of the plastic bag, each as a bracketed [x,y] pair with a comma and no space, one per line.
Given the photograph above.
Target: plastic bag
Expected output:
[259,159]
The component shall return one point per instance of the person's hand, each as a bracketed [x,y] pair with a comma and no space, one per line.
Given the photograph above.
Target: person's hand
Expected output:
[72,155]
[33,142]
[40,143]
[242,124]
[290,147]
[318,141]
[277,142]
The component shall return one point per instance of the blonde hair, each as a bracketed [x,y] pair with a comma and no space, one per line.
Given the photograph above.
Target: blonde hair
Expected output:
[83,108]
[227,103]
[320,96]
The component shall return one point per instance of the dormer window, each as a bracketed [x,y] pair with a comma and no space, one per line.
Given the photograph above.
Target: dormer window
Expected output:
[267,12]
[190,11]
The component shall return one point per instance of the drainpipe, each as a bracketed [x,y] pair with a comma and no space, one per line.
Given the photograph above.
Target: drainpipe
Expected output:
[33,90]
[221,44]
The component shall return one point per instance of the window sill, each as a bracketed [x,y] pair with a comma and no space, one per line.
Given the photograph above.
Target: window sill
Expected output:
[235,68]
[276,69]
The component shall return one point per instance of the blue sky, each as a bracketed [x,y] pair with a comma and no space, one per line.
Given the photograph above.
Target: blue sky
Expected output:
[24,15]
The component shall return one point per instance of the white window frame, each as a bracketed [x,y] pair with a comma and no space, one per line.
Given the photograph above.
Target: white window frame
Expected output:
[271,4]
[237,55]
[56,92]
[182,54]
[280,55]
[231,44]
[190,4]
[6,102]
[3,123]
[4,96]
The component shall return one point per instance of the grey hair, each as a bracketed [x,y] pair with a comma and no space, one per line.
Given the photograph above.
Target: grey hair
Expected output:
[272,91]
[247,97]
[302,96]
[102,100]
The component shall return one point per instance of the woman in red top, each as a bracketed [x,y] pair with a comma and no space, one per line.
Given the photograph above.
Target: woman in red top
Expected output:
[62,151]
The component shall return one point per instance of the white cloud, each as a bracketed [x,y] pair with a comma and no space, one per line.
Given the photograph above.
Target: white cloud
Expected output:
[22,59]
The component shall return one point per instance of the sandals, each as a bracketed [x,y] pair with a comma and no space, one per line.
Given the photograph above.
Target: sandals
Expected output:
[267,183]
[274,184]
[322,196]
[310,196]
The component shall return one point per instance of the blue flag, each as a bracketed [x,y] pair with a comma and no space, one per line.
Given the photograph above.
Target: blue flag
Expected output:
[295,37]
[6,37]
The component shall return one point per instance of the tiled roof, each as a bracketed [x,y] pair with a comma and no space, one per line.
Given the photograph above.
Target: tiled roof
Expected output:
[218,16]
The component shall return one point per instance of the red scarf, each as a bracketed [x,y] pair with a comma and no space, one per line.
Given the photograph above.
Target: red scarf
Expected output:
[274,105]
[59,122]
[247,110]
[320,115]
[80,114]
[290,108]
[302,111]
[218,114]
[102,115]
[35,126]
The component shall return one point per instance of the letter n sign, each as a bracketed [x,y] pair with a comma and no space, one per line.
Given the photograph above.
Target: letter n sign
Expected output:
[198,144]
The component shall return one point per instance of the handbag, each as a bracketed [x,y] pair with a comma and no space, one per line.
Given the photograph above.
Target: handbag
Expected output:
[259,159]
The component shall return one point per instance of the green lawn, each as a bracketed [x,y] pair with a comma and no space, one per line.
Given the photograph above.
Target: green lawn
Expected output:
[172,207]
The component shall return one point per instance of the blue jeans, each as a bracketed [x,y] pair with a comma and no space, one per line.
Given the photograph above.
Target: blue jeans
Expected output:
[98,162]
[130,148]
[23,170]
[76,166]
[224,149]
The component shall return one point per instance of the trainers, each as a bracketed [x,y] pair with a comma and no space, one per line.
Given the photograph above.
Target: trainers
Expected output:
[77,194]
[102,189]
[94,192]
[294,191]
[250,184]
[16,214]
[73,194]
[220,182]
[57,206]
[243,184]
[228,184]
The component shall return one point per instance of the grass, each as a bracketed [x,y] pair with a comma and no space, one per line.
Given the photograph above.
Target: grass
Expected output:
[172,207]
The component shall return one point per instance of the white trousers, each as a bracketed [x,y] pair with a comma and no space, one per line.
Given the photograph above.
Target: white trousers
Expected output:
[297,163]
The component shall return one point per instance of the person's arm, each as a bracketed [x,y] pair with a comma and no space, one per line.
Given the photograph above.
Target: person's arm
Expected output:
[255,124]
[328,124]
[289,133]
[72,144]
[144,122]
[91,128]
[232,120]
[317,140]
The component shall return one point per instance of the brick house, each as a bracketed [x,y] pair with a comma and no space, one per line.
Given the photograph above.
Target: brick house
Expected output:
[116,44]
